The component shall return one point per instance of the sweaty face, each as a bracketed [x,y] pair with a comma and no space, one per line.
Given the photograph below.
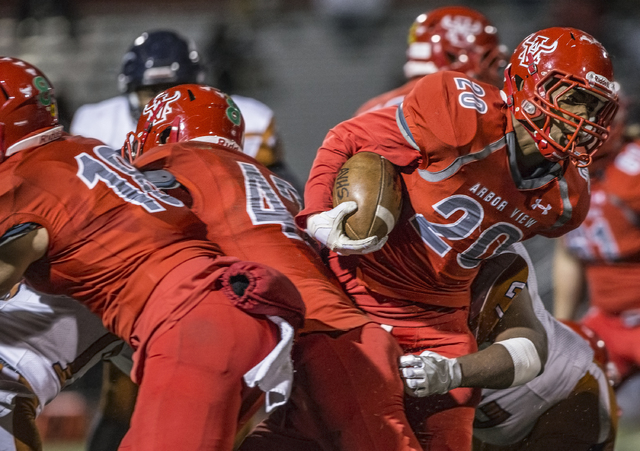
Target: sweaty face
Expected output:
[578,102]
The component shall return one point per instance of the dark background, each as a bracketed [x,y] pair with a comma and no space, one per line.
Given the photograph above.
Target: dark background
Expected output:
[313,61]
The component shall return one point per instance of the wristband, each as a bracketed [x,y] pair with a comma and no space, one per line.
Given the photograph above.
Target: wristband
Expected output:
[526,361]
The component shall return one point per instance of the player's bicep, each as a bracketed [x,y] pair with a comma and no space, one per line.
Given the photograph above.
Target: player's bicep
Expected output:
[17,252]
[521,321]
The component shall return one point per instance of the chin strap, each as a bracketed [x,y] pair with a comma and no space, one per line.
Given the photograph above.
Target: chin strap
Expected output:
[581,160]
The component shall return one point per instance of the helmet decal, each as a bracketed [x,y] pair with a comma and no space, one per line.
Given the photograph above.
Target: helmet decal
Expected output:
[455,38]
[233,112]
[43,88]
[460,29]
[158,109]
[535,46]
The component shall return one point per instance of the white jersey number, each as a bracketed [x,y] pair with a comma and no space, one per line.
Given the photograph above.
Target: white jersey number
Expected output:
[436,235]
[264,206]
[111,169]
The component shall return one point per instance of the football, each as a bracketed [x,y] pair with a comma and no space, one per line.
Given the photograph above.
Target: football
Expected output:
[374,184]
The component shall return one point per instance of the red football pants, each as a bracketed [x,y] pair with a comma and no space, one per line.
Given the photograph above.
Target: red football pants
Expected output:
[190,366]
[347,396]
[441,422]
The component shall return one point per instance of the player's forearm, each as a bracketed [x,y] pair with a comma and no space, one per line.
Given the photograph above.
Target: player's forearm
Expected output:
[517,356]
[490,368]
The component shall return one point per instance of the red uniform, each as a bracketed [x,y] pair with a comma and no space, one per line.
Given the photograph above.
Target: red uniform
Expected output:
[389,98]
[249,212]
[465,201]
[139,259]
[608,243]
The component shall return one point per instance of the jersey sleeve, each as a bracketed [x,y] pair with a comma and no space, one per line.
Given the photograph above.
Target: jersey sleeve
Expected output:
[376,132]
[16,217]
[448,116]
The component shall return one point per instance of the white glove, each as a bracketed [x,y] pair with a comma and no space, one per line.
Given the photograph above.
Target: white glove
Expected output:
[429,373]
[328,228]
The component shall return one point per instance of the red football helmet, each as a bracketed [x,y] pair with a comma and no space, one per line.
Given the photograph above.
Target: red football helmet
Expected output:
[187,113]
[455,38]
[600,353]
[27,104]
[546,65]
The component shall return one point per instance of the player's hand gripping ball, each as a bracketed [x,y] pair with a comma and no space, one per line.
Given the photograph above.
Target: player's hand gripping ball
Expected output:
[374,184]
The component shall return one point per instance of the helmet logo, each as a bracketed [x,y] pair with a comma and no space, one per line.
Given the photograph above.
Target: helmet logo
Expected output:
[459,28]
[233,112]
[535,46]
[596,79]
[43,88]
[158,109]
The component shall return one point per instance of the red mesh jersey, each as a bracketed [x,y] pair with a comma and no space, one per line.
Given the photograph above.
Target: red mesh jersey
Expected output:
[112,235]
[465,199]
[249,213]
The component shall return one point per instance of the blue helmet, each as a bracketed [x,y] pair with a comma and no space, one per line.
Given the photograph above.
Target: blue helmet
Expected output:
[159,58]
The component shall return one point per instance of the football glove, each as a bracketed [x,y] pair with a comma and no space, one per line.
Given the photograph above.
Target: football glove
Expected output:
[328,228]
[429,373]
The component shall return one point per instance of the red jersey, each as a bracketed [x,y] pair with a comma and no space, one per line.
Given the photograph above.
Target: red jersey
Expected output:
[608,242]
[249,213]
[465,198]
[389,98]
[112,235]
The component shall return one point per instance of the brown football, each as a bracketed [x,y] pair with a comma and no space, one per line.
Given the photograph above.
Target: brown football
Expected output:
[374,184]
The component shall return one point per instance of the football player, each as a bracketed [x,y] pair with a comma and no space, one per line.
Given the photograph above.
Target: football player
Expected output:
[568,407]
[448,38]
[189,142]
[482,169]
[80,222]
[46,343]
[156,61]
[606,248]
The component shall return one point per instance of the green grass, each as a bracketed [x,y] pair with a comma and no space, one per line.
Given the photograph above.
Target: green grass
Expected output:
[64,446]
[628,439]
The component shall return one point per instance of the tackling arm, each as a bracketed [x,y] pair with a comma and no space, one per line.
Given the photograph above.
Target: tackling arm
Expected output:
[517,356]
[17,254]
[506,363]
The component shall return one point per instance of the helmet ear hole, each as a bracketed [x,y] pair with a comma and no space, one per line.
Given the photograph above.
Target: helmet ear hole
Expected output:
[519,81]
[163,137]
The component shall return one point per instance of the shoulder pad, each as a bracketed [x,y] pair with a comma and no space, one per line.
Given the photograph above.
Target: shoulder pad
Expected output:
[496,285]
[162,179]
[17,231]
